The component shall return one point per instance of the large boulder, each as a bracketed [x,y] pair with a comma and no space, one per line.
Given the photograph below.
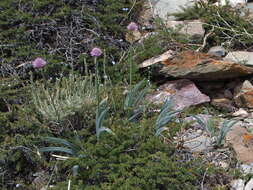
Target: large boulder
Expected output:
[184,94]
[201,66]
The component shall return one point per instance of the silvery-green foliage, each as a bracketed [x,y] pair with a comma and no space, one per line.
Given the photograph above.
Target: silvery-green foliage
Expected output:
[68,95]
[100,117]
[226,127]
[135,98]
[219,135]
[165,116]
[208,126]
[66,146]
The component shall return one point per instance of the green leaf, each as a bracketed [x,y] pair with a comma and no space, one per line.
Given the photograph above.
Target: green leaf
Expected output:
[135,95]
[57,149]
[104,129]
[199,121]
[160,130]
[63,142]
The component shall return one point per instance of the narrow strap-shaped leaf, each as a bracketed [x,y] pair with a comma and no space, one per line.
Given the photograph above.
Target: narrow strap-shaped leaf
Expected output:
[140,96]
[101,117]
[165,109]
[137,113]
[160,130]
[131,96]
[161,121]
[57,149]
[103,129]
[210,127]
[61,141]
[199,121]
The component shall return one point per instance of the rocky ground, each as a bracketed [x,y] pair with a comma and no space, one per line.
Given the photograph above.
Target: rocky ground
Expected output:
[200,57]
[220,77]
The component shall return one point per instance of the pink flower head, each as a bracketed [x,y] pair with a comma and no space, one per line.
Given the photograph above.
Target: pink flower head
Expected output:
[132,26]
[38,63]
[96,52]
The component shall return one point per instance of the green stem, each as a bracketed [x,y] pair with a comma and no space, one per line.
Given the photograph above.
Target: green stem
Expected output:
[97,81]
[130,70]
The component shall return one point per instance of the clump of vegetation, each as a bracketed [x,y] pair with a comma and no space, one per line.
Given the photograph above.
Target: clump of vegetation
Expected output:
[67,96]
[218,134]
[229,26]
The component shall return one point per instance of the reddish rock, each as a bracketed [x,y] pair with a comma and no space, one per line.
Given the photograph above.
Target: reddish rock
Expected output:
[241,142]
[184,93]
[201,66]
[243,95]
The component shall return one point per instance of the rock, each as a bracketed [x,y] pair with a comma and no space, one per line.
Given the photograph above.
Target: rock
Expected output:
[241,57]
[240,113]
[184,93]
[243,95]
[201,66]
[164,7]
[199,144]
[246,169]
[223,104]
[192,28]
[166,55]
[239,141]
[218,51]
[237,184]
[233,3]
[133,36]
[249,185]
[250,7]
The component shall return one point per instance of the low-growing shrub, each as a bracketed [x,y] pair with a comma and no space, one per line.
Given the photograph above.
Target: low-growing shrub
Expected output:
[133,158]
[230,26]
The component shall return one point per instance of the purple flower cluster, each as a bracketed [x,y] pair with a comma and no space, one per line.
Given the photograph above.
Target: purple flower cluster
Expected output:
[38,63]
[132,26]
[96,52]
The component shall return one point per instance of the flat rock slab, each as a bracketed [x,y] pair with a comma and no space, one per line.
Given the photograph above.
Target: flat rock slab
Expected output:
[184,94]
[164,7]
[201,66]
[241,142]
[192,28]
[242,57]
